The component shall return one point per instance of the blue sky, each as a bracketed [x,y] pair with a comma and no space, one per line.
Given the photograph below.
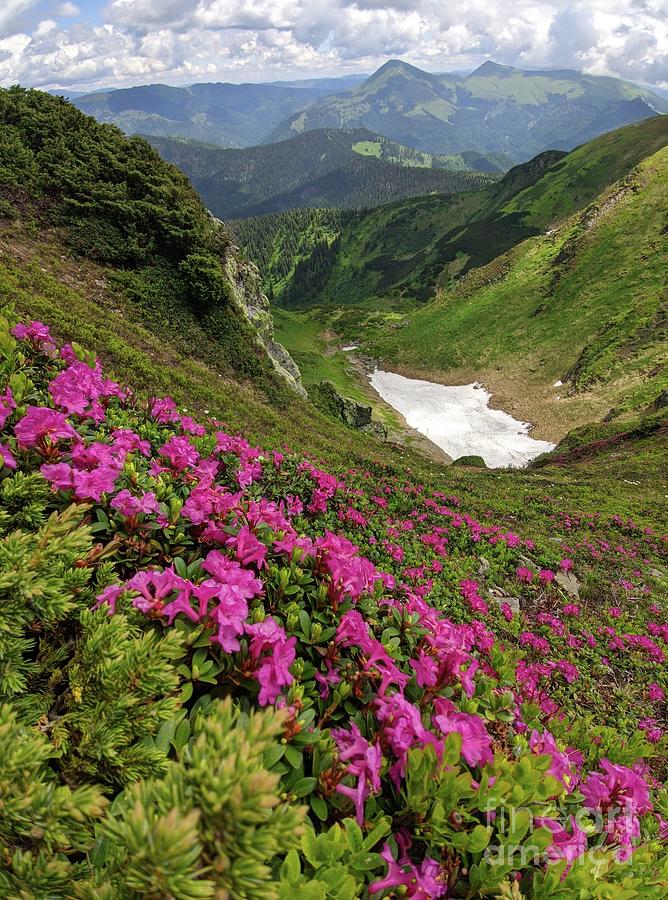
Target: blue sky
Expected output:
[85,44]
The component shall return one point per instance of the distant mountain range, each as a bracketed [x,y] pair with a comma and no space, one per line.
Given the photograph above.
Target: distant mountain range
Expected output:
[323,168]
[496,109]
[228,115]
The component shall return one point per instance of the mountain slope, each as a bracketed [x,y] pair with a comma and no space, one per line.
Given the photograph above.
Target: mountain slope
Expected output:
[495,109]
[113,201]
[343,169]
[403,251]
[585,304]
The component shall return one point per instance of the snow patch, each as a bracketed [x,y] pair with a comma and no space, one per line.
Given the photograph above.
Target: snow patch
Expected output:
[459,420]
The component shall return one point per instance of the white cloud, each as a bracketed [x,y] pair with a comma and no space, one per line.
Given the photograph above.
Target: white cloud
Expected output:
[68,10]
[181,41]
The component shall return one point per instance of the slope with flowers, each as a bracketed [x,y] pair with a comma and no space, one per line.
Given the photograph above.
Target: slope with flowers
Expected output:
[229,672]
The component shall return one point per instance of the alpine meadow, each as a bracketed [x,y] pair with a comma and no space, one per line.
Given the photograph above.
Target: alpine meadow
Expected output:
[334,452]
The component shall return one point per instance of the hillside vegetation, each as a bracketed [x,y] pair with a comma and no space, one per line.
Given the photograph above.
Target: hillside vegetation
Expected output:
[270,656]
[403,251]
[342,169]
[585,304]
[496,109]
[114,202]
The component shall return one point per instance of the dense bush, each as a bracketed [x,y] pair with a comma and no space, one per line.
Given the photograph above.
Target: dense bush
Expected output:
[115,201]
[440,714]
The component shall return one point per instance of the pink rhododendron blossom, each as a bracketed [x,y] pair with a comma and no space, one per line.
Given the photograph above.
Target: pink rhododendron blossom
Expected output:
[7,406]
[476,743]
[79,388]
[109,596]
[180,453]
[129,505]
[247,548]
[275,653]
[424,882]
[524,574]
[623,795]
[565,845]
[41,423]
[37,333]
[163,410]
[655,692]
[7,457]
[363,763]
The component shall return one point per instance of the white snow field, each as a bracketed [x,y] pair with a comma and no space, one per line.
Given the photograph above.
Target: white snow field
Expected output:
[459,420]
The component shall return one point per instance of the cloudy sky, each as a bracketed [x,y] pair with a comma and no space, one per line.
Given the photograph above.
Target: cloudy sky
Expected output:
[85,44]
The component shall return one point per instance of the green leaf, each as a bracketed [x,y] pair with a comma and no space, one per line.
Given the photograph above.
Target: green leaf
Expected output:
[319,806]
[273,754]
[293,756]
[304,786]
[291,868]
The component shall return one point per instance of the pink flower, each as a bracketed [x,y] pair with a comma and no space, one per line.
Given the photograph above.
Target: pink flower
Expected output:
[153,588]
[564,845]
[546,576]
[41,423]
[37,333]
[561,766]
[129,505]
[7,406]
[476,743]
[163,410]
[524,574]
[364,761]
[424,882]
[655,692]
[275,653]
[7,457]
[566,564]
[110,596]
[180,453]
[507,612]
[79,388]
[248,549]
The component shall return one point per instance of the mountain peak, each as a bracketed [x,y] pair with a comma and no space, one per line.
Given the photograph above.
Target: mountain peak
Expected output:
[395,66]
[489,67]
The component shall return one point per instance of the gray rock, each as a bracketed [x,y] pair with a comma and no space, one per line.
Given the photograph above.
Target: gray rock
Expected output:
[484,567]
[569,583]
[356,415]
[253,304]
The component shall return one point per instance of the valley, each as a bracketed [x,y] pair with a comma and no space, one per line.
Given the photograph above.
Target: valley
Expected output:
[293,600]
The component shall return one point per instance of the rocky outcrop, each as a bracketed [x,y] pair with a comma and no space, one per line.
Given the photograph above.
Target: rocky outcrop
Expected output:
[245,281]
[356,415]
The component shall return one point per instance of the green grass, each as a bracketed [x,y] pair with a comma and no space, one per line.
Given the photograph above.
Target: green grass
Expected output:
[589,300]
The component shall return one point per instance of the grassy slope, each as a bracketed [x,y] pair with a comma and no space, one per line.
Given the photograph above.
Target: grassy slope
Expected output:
[589,297]
[39,278]
[402,251]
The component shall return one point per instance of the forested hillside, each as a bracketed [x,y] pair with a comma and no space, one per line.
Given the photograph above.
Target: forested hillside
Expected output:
[405,250]
[113,201]
[343,169]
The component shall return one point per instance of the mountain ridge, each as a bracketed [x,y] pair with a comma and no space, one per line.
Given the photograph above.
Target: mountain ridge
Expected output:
[323,168]
[495,108]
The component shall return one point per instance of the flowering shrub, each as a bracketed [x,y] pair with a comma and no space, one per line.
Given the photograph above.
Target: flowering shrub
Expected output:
[439,694]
